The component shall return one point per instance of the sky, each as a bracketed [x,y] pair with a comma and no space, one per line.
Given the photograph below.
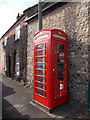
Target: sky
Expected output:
[9,10]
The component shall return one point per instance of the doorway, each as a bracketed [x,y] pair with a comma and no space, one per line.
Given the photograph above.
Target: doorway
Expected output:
[9,66]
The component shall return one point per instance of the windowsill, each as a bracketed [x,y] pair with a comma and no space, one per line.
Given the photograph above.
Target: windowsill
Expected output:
[4,46]
[17,74]
[17,39]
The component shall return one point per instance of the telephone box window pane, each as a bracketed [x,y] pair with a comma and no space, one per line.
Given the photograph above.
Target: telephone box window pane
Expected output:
[60,73]
[60,46]
[40,46]
[41,79]
[40,72]
[41,59]
[61,86]
[60,78]
[60,66]
[40,92]
[60,53]
[39,85]
[41,66]
[40,53]
[60,60]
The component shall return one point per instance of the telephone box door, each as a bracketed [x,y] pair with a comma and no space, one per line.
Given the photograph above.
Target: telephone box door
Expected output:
[60,72]
[40,72]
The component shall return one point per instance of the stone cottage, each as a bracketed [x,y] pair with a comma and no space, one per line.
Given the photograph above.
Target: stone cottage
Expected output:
[15,52]
[73,19]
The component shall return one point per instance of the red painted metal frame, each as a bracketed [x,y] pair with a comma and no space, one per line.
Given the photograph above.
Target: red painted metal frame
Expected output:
[49,100]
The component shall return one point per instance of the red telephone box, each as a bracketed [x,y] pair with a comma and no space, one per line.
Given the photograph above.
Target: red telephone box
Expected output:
[50,67]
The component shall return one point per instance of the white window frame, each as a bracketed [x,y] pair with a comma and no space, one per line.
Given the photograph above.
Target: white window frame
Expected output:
[17,33]
[5,41]
[17,65]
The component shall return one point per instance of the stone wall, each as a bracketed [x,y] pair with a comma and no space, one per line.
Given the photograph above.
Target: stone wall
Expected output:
[72,18]
[16,46]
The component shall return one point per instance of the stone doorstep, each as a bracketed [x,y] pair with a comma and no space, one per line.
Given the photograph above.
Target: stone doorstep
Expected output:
[26,85]
[21,82]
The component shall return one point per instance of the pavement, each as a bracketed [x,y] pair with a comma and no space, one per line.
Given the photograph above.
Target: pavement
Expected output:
[0,96]
[17,103]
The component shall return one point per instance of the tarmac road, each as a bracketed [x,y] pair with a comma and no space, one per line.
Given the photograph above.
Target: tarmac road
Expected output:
[17,103]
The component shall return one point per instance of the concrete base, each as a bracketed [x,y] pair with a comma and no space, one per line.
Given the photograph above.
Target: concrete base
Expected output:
[50,110]
[42,106]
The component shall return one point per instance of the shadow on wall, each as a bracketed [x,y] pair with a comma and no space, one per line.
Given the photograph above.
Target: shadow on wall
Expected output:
[78,53]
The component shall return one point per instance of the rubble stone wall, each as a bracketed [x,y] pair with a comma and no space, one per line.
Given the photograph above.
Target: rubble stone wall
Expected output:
[72,18]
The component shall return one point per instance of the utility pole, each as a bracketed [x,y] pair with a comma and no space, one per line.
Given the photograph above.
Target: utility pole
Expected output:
[40,14]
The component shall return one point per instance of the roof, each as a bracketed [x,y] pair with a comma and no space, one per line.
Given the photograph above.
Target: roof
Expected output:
[32,12]
[46,8]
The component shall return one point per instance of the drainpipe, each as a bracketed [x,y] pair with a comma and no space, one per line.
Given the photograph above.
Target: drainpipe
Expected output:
[40,14]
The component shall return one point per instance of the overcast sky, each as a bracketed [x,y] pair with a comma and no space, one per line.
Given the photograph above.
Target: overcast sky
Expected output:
[9,10]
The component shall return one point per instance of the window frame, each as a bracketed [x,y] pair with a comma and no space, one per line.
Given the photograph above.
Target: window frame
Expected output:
[17,64]
[17,33]
[5,41]
[5,68]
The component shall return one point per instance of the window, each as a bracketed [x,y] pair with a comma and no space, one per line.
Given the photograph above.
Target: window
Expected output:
[17,34]
[4,63]
[5,41]
[17,67]
[40,46]
[41,79]
[40,66]
[41,59]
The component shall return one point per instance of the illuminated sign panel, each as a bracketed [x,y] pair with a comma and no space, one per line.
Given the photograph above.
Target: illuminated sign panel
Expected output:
[42,36]
[58,36]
